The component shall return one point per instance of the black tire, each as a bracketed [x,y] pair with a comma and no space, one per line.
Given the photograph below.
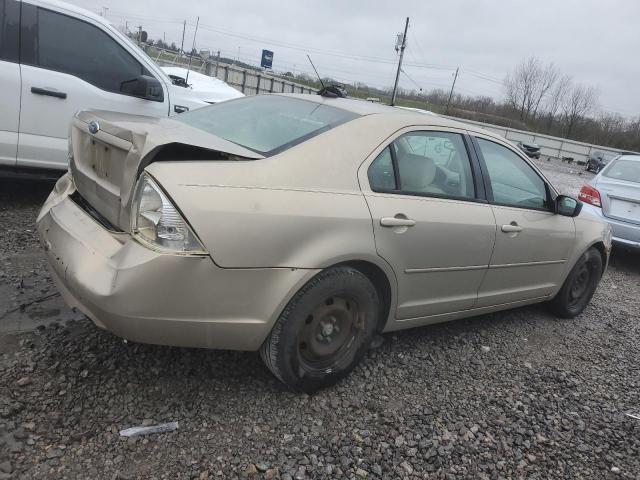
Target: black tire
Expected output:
[580,285]
[588,166]
[338,305]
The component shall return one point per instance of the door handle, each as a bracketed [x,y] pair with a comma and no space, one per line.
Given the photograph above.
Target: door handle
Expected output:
[397,222]
[511,228]
[50,93]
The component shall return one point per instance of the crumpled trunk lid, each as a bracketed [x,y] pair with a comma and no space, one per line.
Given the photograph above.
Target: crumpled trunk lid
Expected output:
[110,150]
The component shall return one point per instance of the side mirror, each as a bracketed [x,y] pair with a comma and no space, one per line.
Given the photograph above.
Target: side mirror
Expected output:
[568,206]
[145,87]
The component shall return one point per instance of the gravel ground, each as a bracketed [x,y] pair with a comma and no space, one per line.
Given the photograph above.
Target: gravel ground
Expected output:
[518,394]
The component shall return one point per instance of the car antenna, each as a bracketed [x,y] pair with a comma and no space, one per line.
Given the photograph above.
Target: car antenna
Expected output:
[316,70]
[193,47]
[332,91]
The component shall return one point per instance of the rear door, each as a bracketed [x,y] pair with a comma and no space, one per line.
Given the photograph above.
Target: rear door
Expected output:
[429,220]
[9,80]
[71,63]
[532,242]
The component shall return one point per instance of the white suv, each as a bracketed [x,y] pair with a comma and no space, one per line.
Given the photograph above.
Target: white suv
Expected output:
[57,59]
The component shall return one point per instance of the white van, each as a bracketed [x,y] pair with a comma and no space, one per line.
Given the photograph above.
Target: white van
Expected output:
[56,59]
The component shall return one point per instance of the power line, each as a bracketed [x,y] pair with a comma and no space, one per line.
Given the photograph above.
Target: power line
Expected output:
[262,40]
[411,79]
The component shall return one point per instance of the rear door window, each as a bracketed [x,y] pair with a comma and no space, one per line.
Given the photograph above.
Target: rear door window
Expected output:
[65,44]
[425,163]
[9,30]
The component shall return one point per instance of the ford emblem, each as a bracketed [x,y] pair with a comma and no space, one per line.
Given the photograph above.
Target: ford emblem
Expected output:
[94,127]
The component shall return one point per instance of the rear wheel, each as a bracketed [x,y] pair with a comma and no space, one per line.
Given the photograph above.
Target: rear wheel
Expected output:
[324,331]
[580,285]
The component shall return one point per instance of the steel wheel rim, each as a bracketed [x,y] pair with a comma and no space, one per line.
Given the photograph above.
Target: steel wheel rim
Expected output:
[329,334]
[580,284]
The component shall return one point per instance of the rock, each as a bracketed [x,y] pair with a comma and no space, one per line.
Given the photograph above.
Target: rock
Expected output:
[262,466]
[406,466]
[24,381]
[271,473]
[251,470]
[615,470]
[6,467]
[399,441]
[54,453]
[361,473]
[485,349]
[301,474]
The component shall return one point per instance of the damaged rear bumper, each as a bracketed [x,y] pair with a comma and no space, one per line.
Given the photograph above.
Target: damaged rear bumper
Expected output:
[151,297]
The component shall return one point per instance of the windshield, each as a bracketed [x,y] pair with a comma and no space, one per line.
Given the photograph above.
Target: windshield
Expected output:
[628,170]
[267,124]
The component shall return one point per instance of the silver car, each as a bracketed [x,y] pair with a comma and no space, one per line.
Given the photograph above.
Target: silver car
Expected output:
[302,226]
[614,195]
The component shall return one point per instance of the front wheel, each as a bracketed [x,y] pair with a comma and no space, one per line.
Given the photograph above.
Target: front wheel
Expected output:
[580,285]
[324,331]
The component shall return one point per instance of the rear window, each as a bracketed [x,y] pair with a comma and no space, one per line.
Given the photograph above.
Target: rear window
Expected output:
[266,124]
[628,170]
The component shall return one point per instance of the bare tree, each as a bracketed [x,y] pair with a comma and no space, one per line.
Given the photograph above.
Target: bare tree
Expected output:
[528,85]
[546,80]
[576,104]
[554,99]
[610,125]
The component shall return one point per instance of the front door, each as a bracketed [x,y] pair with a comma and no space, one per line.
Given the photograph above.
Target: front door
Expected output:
[9,81]
[69,64]
[532,242]
[428,223]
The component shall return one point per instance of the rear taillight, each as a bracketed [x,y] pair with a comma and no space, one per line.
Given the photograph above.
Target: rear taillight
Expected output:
[590,195]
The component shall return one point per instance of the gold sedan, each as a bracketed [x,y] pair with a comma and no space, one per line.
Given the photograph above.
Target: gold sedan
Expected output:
[302,226]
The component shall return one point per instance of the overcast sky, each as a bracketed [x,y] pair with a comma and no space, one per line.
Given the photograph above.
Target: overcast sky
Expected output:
[595,41]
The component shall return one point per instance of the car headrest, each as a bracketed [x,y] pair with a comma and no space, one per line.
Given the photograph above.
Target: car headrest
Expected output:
[416,171]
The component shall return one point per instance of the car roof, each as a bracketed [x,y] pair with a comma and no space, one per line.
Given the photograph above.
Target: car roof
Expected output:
[410,117]
[70,8]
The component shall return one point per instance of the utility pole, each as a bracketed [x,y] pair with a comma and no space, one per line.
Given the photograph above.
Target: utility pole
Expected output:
[139,33]
[184,28]
[451,92]
[402,47]
[217,62]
